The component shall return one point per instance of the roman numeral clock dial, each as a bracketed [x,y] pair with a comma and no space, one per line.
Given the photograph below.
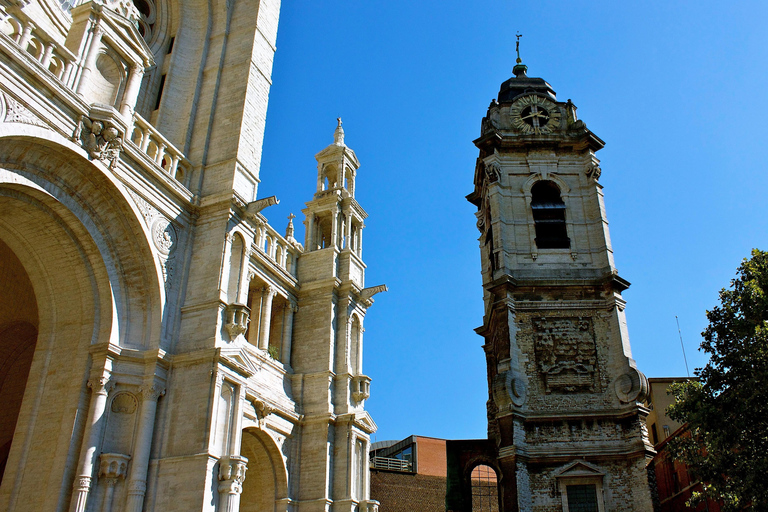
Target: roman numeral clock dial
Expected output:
[534,114]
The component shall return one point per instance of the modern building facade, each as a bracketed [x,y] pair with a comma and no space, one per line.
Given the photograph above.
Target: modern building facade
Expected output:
[162,346]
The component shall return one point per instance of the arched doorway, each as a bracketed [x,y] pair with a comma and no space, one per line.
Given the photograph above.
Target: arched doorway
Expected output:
[18,335]
[265,485]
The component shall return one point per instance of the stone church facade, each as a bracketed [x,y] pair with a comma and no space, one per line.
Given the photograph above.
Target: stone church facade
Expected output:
[162,346]
[566,420]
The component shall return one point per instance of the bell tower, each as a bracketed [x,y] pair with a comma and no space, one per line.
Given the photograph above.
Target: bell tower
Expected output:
[565,397]
[328,341]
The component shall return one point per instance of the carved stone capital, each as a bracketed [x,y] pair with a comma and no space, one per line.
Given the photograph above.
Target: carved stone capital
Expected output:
[232,470]
[101,385]
[269,290]
[152,392]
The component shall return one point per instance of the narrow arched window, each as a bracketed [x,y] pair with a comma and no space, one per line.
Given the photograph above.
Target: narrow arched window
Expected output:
[485,489]
[549,216]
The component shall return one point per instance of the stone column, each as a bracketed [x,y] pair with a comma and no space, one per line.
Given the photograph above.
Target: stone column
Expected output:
[266,316]
[348,232]
[334,228]
[90,58]
[360,240]
[112,468]
[311,233]
[100,387]
[290,309]
[137,484]
[131,90]
[231,476]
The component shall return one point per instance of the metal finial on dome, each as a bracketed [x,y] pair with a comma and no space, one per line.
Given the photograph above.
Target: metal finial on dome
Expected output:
[338,135]
[520,69]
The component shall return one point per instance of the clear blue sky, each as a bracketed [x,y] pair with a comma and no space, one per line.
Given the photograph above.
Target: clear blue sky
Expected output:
[676,89]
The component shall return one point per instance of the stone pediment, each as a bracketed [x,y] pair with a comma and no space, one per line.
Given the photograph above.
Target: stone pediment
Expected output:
[579,468]
[364,422]
[238,360]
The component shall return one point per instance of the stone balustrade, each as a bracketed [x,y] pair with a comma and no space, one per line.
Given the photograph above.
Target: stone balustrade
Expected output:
[152,143]
[283,252]
[57,59]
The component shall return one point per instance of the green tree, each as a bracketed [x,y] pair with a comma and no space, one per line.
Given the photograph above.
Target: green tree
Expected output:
[727,408]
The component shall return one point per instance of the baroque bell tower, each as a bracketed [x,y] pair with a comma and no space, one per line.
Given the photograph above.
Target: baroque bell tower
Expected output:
[565,397]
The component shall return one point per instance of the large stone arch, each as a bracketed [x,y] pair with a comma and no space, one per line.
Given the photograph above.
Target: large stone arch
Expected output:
[265,488]
[93,206]
[95,282]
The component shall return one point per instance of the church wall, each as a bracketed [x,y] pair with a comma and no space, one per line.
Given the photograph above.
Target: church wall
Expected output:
[127,407]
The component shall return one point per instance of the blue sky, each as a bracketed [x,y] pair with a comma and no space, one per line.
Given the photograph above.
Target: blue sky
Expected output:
[676,89]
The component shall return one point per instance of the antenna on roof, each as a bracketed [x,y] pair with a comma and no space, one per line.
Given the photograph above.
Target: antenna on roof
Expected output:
[683,347]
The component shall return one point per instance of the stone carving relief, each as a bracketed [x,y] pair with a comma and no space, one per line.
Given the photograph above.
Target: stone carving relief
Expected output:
[593,171]
[631,386]
[101,139]
[12,111]
[164,236]
[124,403]
[492,172]
[566,354]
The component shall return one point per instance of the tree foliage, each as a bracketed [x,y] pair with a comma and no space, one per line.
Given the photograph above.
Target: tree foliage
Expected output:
[727,409]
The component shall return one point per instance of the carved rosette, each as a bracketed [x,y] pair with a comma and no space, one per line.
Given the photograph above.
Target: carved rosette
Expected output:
[232,470]
[102,140]
[163,234]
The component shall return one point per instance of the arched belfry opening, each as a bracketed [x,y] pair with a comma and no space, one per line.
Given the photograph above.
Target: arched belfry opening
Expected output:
[18,336]
[549,216]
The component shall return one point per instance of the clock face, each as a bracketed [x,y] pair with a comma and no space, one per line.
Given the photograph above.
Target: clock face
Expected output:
[534,114]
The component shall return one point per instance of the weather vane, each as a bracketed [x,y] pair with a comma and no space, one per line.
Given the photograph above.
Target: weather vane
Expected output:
[517,47]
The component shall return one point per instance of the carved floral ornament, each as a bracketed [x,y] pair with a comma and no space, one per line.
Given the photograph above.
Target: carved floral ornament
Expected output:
[12,111]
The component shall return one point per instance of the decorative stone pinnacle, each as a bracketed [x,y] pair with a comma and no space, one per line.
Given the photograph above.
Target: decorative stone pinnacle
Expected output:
[338,135]
[289,229]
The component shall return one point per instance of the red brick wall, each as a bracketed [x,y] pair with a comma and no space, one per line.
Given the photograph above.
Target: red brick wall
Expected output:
[431,457]
[408,492]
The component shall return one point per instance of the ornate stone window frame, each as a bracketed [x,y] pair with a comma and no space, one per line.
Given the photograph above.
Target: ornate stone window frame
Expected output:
[580,473]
